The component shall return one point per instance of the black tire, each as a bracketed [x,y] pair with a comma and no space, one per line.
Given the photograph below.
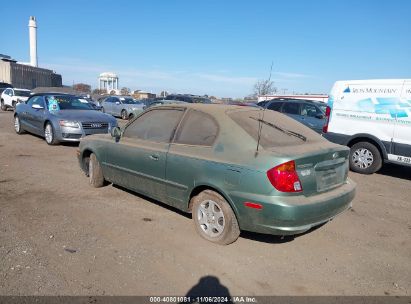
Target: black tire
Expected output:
[17,125]
[13,104]
[51,137]
[131,116]
[230,231]
[3,106]
[124,114]
[95,173]
[103,110]
[365,158]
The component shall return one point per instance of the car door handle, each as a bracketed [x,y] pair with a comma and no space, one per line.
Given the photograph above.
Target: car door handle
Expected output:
[154,157]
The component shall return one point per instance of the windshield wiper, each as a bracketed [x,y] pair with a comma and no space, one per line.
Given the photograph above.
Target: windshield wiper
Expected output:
[288,132]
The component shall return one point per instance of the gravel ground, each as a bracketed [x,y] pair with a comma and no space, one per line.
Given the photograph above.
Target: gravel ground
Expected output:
[59,236]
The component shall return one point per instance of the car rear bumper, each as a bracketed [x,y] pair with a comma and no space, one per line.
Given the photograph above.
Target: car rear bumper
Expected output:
[288,215]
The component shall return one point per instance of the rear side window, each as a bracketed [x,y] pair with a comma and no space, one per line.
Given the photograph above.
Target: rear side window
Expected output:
[271,136]
[291,108]
[198,129]
[156,125]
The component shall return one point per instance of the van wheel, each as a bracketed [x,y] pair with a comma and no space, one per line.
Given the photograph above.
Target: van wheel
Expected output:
[214,219]
[365,158]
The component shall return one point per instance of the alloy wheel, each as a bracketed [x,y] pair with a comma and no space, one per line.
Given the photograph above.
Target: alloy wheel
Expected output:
[48,133]
[211,218]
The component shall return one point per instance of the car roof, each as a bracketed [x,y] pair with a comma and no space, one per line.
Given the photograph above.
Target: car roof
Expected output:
[296,100]
[52,93]
[213,109]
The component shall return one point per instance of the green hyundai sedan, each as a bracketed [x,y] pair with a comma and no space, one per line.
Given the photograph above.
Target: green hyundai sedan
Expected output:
[234,168]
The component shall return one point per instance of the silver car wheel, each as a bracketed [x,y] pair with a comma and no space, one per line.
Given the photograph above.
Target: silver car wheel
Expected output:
[211,218]
[362,158]
[48,133]
[17,124]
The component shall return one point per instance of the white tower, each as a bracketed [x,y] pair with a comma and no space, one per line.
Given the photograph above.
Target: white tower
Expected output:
[33,40]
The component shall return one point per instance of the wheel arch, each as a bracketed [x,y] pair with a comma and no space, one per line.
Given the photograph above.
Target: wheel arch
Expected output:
[368,138]
[84,157]
[197,189]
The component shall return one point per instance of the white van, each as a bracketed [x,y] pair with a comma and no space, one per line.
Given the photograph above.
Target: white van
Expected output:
[373,118]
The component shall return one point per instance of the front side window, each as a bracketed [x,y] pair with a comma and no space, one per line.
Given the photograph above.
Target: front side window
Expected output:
[275,106]
[198,128]
[157,125]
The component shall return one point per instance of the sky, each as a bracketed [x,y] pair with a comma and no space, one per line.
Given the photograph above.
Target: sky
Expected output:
[214,47]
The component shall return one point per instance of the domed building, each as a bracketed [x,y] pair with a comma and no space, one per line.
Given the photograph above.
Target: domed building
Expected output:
[108,81]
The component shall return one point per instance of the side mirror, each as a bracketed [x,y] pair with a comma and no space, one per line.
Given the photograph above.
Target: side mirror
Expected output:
[37,107]
[116,133]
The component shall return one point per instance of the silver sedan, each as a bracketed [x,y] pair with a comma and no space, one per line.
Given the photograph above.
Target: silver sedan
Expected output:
[60,117]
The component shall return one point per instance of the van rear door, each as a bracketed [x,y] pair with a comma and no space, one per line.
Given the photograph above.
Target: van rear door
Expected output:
[402,131]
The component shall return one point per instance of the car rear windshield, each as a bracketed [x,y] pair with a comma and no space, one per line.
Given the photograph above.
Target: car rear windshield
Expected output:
[277,130]
[22,93]
[69,103]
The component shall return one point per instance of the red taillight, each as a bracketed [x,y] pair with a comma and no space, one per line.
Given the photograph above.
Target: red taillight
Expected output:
[327,119]
[284,178]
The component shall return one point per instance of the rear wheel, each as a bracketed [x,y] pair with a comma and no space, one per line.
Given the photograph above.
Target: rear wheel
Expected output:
[95,174]
[17,125]
[49,135]
[124,114]
[3,106]
[13,104]
[131,116]
[365,158]
[214,219]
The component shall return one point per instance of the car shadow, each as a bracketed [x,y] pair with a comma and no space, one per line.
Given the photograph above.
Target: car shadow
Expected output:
[62,143]
[153,201]
[254,236]
[275,239]
[397,171]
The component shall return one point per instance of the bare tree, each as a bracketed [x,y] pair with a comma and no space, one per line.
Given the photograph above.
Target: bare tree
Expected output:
[82,87]
[264,87]
[125,91]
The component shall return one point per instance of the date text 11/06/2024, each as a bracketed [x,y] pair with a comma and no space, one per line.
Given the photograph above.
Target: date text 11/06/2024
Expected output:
[188,299]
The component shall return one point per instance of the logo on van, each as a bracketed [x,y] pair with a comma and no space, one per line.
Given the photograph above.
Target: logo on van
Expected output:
[347,90]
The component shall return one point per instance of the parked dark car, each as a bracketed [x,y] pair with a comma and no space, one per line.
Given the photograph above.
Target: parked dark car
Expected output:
[188,98]
[243,104]
[228,166]
[60,117]
[308,112]
[4,85]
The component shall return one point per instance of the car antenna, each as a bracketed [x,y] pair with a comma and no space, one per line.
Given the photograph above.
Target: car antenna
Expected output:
[261,116]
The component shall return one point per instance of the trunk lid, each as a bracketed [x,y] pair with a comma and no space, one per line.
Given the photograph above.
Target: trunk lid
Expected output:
[320,166]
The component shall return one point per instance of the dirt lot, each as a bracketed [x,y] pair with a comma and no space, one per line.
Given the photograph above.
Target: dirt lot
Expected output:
[59,236]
